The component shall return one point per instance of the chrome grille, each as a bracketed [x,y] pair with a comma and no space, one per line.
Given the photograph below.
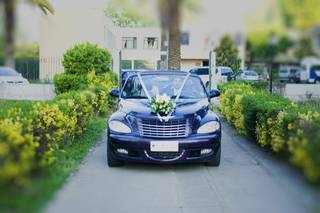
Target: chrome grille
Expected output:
[156,128]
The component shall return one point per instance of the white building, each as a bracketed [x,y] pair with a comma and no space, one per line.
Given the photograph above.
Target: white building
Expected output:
[140,47]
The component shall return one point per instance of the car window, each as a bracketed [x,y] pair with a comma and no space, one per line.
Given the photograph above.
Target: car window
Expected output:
[283,70]
[133,89]
[164,84]
[293,71]
[203,71]
[251,73]
[8,72]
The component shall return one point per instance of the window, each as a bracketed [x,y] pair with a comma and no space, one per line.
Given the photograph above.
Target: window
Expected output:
[184,38]
[201,71]
[126,64]
[129,42]
[150,43]
[144,65]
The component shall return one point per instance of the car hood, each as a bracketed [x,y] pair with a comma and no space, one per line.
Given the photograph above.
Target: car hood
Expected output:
[141,107]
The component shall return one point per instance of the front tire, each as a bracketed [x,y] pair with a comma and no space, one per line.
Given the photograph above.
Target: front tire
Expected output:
[112,161]
[216,160]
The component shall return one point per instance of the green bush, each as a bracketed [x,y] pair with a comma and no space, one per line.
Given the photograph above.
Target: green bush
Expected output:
[66,82]
[32,133]
[275,122]
[83,58]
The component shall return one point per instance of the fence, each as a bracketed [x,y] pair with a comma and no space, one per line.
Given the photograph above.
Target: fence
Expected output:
[28,67]
[49,67]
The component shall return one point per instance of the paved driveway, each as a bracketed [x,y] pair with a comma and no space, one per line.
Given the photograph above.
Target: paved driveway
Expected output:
[248,180]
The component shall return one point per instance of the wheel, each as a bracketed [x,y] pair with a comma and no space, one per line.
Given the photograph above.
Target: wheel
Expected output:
[317,81]
[112,161]
[216,160]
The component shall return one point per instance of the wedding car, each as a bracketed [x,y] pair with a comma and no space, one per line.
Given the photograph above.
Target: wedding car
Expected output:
[164,117]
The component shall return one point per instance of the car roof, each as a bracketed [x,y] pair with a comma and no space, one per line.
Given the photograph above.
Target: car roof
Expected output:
[169,72]
[248,71]
[6,68]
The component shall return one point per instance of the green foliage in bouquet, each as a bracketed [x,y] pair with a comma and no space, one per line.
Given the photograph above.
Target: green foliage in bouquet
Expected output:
[161,104]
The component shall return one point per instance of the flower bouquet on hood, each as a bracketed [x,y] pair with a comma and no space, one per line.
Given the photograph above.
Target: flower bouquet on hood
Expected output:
[162,105]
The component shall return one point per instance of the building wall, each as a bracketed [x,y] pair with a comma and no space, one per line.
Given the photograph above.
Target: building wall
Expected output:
[188,64]
[140,53]
[65,29]
[62,31]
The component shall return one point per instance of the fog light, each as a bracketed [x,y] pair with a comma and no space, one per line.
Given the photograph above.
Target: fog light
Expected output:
[205,151]
[122,151]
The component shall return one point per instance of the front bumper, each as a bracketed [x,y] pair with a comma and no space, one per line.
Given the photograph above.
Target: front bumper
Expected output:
[138,149]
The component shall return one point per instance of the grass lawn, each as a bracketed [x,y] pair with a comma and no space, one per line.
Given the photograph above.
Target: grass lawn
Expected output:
[42,188]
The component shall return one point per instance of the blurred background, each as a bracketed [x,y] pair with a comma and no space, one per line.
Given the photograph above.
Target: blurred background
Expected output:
[282,36]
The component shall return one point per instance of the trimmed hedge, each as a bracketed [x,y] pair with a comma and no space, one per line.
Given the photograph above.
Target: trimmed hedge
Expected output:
[31,133]
[275,122]
[67,82]
[83,58]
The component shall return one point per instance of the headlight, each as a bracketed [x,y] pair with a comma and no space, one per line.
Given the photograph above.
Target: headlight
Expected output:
[209,127]
[118,126]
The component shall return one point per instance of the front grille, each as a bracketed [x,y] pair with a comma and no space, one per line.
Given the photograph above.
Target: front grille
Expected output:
[156,128]
[164,155]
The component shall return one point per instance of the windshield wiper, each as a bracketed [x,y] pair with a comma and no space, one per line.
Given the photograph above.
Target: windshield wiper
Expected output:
[137,97]
[181,96]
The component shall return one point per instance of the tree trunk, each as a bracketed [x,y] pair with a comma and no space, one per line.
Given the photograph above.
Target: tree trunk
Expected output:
[9,9]
[174,35]
[164,22]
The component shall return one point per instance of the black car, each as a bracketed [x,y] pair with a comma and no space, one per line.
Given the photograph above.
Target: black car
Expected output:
[192,132]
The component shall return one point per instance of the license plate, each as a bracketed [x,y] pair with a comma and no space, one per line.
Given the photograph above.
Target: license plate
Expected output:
[164,146]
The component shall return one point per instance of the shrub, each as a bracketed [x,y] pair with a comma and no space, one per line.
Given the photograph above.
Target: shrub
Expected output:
[83,58]
[275,122]
[31,134]
[17,153]
[66,82]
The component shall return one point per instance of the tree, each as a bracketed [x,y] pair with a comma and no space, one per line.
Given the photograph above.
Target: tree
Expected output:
[227,54]
[174,53]
[300,14]
[130,13]
[9,18]
[304,48]
[259,49]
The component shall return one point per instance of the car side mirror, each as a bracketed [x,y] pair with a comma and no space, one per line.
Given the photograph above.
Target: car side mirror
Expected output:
[114,93]
[214,93]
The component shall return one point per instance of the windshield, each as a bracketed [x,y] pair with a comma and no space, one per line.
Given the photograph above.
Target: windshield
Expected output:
[164,84]
[8,72]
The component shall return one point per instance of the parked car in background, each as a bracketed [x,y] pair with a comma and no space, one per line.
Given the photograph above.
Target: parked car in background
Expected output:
[289,74]
[264,75]
[310,72]
[203,73]
[191,133]
[248,75]
[11,76]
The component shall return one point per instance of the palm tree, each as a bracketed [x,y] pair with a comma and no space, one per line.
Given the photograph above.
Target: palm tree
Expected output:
[174,53]
[170,12]
[9,15]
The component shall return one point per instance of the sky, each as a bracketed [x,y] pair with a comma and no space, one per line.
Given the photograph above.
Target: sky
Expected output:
[216,16]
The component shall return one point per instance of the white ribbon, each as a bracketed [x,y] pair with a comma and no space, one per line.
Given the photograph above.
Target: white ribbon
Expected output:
[144,87]
[167,117]
[181,88]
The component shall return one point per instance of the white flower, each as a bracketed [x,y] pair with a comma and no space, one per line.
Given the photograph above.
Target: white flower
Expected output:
[163,98]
